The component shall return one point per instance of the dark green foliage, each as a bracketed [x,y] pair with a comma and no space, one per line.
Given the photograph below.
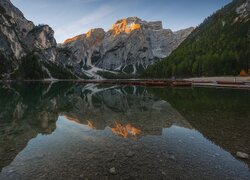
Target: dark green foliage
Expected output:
[139,69]
[6,66]
[30,69]
[2,10]
[86,67]
[109,75]
[129,69]
[59,72]
[219,46]
[66,51]
[205,99]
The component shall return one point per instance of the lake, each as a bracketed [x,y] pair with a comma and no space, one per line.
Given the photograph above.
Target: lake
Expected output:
[89,131]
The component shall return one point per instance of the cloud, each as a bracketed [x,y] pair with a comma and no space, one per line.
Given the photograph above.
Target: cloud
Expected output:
[77,27]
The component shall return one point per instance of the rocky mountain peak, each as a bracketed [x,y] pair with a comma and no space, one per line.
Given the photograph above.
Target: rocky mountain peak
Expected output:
[244,8]
[94,36]
[243,12]
[129,46]
[131,24]
[15,18]
[13,29]
[126,26]
[73,39]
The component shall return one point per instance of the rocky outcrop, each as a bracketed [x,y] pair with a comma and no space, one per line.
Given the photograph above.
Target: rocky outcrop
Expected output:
[20,38]
[14,28]
[244,8]
[81,46]
[41,38]
[129,46]
[243,12]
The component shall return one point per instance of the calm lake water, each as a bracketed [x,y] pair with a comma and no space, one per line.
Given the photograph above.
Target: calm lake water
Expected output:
[87,131]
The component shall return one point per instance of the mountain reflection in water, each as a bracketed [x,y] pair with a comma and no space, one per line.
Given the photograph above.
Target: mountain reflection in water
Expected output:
[126,130]
[66,130]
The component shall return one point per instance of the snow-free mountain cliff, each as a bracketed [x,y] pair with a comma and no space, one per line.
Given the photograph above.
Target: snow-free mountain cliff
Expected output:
[27,51]
[19,37]
[129,46]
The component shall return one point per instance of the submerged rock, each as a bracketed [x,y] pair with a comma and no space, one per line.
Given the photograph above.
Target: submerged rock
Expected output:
[130,154]
[112,170]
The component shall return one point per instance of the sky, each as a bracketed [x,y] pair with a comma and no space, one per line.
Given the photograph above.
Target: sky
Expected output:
[69,18]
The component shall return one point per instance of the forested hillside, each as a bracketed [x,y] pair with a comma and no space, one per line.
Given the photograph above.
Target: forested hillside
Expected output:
[219,46]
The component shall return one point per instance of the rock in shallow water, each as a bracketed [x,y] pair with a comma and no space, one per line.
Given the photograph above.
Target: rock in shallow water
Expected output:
[130,154]
[112,170]
[242,155]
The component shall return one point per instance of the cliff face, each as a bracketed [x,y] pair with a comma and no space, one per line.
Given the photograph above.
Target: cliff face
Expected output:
[129,46]
[14,28]
[77,52]
[244,9]
[41,38]
[18,35]
[20,38]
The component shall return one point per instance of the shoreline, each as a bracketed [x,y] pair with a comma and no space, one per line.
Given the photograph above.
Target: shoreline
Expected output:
[213,82]
[245,79]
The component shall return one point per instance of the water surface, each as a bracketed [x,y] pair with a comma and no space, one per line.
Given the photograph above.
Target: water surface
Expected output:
[81,131]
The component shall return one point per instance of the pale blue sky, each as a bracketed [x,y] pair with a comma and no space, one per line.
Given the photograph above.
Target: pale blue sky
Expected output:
[72,17]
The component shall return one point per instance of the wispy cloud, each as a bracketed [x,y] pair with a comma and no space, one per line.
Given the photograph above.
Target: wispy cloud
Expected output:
[79,26]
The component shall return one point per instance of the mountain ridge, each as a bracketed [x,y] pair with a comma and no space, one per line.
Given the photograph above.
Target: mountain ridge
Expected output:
[129,46]
[28,51]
